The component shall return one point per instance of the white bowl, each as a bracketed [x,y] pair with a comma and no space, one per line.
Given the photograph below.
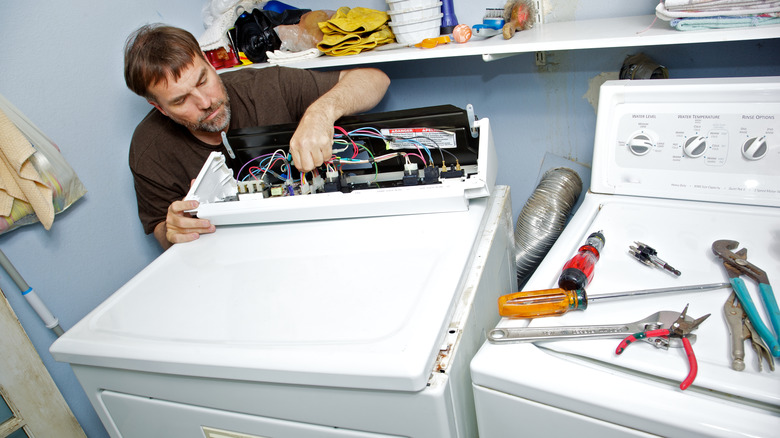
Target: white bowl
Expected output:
[400,5]
[409,15]
[416,31]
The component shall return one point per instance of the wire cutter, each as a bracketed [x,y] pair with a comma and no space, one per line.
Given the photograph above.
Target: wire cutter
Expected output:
[736,265]
[682,329]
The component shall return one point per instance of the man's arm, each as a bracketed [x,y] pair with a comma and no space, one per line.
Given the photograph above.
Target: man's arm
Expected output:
[179,227]
[356,91]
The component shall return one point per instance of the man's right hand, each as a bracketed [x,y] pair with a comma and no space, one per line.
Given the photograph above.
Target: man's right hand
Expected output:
[179,226]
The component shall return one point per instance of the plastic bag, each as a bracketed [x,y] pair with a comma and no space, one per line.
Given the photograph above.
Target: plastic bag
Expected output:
[304,35]
[54,171]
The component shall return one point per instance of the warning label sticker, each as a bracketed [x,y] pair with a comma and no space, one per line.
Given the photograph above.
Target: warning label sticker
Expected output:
[413,138]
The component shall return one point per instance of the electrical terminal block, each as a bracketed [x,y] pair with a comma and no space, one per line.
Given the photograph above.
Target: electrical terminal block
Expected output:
[344,185]
[317,184]
[252,189]
[411,174]
[306,188]
[332,181]
[430,174]
[453,172]
[251,186]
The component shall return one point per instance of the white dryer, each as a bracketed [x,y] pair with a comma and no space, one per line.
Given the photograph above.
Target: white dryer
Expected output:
[351,327]
[651,185]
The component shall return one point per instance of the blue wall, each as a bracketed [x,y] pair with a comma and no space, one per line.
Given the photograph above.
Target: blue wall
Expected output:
[62,66]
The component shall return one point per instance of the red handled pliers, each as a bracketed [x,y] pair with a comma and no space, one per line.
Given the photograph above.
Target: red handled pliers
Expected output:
[681,328]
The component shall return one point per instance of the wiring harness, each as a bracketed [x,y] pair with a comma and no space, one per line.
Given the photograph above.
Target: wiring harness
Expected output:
[273,174]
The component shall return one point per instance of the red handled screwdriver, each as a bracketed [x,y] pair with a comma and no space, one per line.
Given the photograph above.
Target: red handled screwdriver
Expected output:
[578,272]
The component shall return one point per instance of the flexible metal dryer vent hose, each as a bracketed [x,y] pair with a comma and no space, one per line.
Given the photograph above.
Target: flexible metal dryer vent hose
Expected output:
[543,218]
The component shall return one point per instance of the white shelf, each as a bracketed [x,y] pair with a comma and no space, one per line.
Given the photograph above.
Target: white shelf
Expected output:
[572,35]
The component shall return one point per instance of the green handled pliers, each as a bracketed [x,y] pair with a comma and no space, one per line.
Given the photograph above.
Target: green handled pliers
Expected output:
[737,265]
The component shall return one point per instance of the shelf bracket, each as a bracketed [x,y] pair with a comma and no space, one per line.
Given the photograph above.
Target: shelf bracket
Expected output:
[541,59]
[487,57]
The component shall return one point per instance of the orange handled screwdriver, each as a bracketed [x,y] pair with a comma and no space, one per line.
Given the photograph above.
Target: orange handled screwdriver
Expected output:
[550,302]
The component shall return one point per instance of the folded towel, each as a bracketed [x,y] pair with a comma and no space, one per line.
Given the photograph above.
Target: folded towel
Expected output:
[718,5]
[662,12]
[699,23]
[19,180]
[279,57]
[351,31]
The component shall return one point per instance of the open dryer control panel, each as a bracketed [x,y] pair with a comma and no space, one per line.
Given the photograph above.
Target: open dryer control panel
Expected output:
[424,160]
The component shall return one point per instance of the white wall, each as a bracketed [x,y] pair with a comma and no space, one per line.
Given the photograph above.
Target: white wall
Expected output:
[61,64]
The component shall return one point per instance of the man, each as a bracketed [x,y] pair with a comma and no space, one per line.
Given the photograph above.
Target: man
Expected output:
[193,105]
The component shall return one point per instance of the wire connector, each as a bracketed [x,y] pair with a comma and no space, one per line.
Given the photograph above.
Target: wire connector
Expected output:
[411,174]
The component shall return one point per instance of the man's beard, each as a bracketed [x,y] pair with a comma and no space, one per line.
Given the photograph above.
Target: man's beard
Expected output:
[218,124]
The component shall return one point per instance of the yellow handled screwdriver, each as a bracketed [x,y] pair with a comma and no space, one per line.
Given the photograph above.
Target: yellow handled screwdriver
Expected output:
[550,302]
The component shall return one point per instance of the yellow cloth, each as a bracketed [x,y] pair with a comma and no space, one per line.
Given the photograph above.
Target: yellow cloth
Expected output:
[351,31]
[359,20]
[19,180]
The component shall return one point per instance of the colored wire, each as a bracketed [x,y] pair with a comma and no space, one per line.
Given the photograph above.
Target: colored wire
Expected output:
[354,145]
[435,144]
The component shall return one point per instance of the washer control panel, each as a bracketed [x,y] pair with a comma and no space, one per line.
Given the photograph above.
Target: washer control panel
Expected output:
[697,137]
[709,140]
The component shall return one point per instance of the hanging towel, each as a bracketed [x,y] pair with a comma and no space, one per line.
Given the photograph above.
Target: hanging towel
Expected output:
[19,180]
[351,31]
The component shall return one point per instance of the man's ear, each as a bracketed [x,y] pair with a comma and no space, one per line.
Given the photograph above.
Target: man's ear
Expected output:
[156,105]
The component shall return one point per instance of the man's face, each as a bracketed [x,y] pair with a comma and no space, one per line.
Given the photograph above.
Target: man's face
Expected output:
[198,99]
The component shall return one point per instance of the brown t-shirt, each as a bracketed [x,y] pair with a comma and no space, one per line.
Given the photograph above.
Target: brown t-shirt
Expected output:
[165,157]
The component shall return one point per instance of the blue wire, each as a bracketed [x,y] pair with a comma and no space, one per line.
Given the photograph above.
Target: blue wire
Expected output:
[410,140]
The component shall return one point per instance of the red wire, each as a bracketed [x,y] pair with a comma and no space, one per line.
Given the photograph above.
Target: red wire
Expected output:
[354,146]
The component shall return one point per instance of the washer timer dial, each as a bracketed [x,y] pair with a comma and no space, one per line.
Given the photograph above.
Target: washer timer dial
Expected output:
[754,148]
[695,146]
[641,143]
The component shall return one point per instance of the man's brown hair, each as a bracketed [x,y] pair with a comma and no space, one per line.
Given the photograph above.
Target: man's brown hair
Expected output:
[154,52]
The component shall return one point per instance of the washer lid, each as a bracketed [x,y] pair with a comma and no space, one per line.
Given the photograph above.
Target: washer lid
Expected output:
[349,303]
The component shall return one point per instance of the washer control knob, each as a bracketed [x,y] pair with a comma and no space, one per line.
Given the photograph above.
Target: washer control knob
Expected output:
[640,144]
[754,148]
[695,146]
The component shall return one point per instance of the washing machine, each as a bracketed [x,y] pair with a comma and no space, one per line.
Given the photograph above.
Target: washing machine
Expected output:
[678,165]
[356,326]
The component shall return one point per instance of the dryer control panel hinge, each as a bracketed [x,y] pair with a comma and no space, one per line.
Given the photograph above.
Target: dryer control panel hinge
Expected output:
[446,351]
